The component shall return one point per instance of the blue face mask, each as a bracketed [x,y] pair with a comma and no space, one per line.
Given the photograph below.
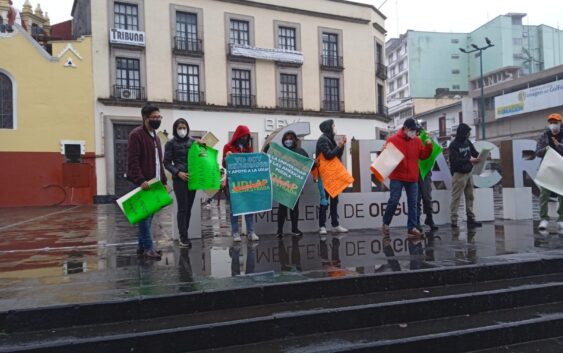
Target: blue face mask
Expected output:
[288,143]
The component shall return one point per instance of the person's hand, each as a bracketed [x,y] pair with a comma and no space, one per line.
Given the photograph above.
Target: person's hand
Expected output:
[201,143]
[555,142]
[145,186]
[474,160]
[344,139]
[316,164]
[429,142]
[229,153]
[184,176]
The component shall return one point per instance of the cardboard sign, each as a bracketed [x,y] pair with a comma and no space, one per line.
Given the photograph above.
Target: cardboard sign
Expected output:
[139,204]
[334,175]
[203,168]
[386,162]
[550,173]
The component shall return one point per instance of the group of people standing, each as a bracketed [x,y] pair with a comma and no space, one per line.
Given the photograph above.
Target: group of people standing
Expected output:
[146,161]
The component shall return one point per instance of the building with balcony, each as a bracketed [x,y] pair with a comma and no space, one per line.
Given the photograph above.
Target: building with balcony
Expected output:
[221,63]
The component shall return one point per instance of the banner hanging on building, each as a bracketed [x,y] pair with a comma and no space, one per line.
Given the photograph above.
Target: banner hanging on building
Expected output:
[250,184]
[529,100]
[289,173]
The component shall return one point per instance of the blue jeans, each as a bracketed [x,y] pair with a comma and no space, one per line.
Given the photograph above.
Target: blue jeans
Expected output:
[249,223]
[412,195]
[145,238]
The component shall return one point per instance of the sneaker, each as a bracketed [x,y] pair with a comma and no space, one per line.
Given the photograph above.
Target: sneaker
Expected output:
[141,251]
[433,227]
[386,231]
[322,231]
[152,254]
[544,223]
[339,229]
[414,234]
[253,237]
[279,234]
[297,232]
[185,243]
[236,238]
[454,225]
[474,224]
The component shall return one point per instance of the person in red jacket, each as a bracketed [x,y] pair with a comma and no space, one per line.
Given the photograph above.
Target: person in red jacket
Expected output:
[406,175]
[241,142]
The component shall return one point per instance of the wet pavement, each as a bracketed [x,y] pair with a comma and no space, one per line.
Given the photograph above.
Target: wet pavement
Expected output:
[83,254]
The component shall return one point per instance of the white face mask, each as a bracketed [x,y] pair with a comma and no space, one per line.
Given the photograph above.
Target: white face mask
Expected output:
[182,133]
[555,128]
[411,134]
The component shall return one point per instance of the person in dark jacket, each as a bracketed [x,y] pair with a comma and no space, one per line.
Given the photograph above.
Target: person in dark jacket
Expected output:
[144,162]
[463,156]
[424,200]
[176,162]
[290,141]
[552,137]
[406,176]
[327,145]
[241,142]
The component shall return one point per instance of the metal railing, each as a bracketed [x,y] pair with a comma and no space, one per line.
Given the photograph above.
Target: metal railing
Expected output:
[190,97]
[382,110]
[333,106]
[242,100]
[290,103]
[132,93]
[332,62]
[188,45]
[381,71]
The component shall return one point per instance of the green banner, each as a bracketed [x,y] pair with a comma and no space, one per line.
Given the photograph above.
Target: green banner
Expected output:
[289,173]
[250,184]
[203,168]
[426,165]
[139,204]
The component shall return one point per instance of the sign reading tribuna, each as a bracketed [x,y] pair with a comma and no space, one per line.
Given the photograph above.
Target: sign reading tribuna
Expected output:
[124,36]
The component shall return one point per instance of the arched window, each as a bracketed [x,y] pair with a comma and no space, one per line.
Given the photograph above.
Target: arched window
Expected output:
[6,102]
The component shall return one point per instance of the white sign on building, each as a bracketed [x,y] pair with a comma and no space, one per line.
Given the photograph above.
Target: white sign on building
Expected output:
[124,36]
[529,100]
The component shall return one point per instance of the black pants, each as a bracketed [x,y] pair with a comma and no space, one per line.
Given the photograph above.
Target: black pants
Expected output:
[293,214]
[424,200]
[333,213]
[185,200]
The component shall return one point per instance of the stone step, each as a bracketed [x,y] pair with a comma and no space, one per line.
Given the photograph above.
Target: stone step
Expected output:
[331,316]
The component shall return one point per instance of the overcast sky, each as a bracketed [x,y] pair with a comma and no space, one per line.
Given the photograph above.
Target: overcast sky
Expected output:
[422,15]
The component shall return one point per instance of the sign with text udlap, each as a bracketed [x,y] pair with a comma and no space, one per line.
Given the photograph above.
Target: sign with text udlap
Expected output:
[250,184]
[426,165]
[139,204]
[203,168]
[289,172]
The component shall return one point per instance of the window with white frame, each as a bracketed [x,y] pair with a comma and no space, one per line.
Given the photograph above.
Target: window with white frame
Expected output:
[126,16]
[188,83]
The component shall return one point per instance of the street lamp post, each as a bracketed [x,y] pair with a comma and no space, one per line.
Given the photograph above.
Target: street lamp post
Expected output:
[482,100]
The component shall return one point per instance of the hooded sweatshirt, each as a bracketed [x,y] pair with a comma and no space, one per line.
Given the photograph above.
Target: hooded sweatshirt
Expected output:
[176,150]
[546,139]
[234,146]
[295,148]
[326,144]
[461,150]
[413,149]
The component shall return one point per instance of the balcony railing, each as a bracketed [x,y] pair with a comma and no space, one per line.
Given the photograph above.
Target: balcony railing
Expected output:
[243,100]
[190,97]
[333,106]
[382,110]
[188,46]
[381,71]
[130,93]
[290,103]
[333,62]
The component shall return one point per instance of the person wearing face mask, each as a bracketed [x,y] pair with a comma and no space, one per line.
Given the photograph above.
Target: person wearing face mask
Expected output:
[144,162]
[463,156]
[289,141]
[241,142]
[175,161]
[552,137]
[406,175]
[327,145]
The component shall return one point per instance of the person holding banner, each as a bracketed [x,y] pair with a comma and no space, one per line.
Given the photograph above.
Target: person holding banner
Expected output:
[424,200]
[463,156]
[552,137]
[406,175]
[144,162]
[176,162]
[327,145]
[290,141]
[241,142]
